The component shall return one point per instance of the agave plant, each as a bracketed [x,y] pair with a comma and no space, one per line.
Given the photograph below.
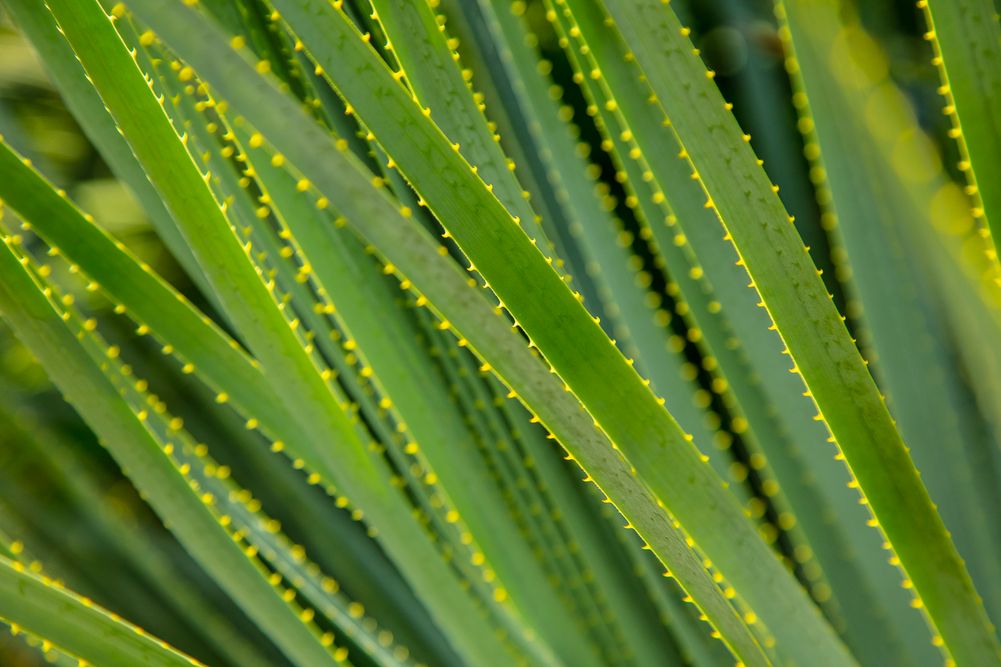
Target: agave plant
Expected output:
[420,267]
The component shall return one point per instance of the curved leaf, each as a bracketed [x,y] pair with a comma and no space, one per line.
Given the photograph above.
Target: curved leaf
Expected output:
[75,624]
[808,322]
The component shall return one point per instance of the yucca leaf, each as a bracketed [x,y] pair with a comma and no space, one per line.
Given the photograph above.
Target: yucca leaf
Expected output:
[295,149]
[76,625]
[711,296]
[261,533]
[193,338]
[869,194]
[14,551]
[86,104]
[580,541]
[69,474]
[167,430]
[547,498]
[427,65]
[373,321]
[722,305]
[220,361]
[625,297]
[725,323]
[966,38]
[460,173]
[251,304]
[65,545]
[204,224]
[446,244]
[41,327]
[377,331]
[754,86]
[404,25]
[834,371]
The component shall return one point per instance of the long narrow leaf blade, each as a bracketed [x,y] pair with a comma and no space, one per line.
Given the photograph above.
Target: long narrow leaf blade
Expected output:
[76,625]
[41,327]
[966,36]
[810,325]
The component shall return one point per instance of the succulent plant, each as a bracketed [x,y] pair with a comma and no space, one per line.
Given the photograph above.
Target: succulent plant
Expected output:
[425,265]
